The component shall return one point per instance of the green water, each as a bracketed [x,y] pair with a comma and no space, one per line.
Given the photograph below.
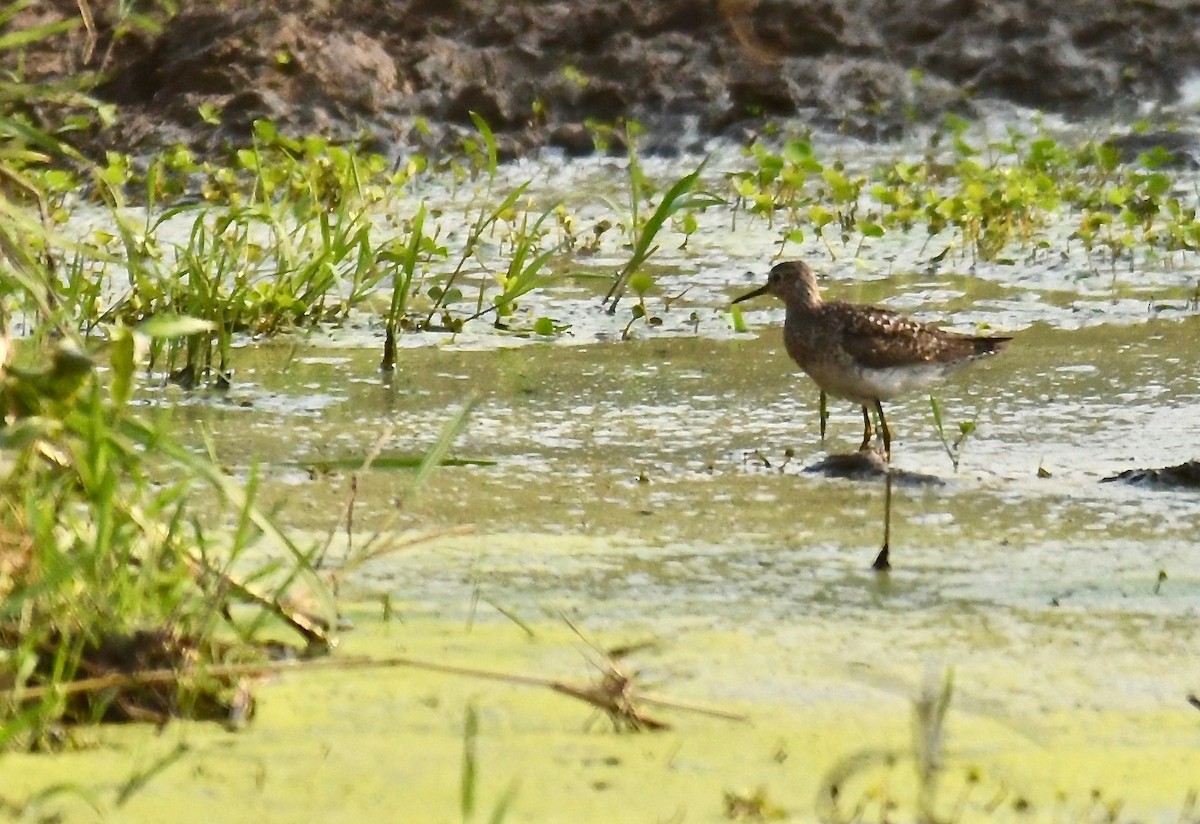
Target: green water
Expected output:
[613,486]
[643,490]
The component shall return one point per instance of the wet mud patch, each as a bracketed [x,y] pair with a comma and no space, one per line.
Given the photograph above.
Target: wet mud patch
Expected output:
[545,75]
[865,465]
[1185,475]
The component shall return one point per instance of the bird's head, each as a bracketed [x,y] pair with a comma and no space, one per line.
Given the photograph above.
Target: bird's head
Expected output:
[792,281]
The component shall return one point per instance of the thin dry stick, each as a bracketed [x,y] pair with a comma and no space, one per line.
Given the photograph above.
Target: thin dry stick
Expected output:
[393,544]
[608,654]
[89,23]
[348,507]
[614,694]
[433,458]
[397,544]
[201,568]
[591,694]
[304,625]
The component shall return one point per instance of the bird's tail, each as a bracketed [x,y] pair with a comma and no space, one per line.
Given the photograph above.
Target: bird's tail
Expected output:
[988,346]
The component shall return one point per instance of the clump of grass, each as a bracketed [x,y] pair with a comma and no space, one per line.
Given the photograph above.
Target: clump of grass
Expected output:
[860,781]
[402,260]
[105,571]
[986,201]
[291,236]
[927,755]
[284,239]
[680,197]
[527,256]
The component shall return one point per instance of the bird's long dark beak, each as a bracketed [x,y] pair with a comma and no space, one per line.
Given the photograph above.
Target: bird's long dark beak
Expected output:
[762,290]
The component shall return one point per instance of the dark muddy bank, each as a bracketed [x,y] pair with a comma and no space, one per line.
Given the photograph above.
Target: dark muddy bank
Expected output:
[540,72]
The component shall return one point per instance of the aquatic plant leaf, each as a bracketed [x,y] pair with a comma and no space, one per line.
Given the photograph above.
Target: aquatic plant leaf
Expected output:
[820,216]
[166,325]
[673,200]
[121,357]
[32,34]
[641,283]
[489,141]
[738,320]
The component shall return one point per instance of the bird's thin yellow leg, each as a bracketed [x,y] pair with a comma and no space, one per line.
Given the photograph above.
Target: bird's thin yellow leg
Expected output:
[883,559]
[868,431]
[883,430]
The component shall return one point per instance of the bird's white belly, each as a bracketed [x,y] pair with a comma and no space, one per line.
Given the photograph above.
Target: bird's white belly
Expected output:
[865,386]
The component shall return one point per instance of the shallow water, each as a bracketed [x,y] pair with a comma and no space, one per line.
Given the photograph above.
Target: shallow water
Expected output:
[624,485]
[644,489]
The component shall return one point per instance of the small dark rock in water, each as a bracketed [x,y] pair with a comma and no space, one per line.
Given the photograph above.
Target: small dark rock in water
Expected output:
[1185,476]
[1182,147]
[853,465]
[866,465]
[573,138]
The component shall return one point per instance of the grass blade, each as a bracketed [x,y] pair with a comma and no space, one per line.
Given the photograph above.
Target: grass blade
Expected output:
[470,764]
[437,453]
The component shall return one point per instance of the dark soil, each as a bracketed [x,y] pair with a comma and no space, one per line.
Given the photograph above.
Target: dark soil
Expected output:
[403,73]
[1183,476]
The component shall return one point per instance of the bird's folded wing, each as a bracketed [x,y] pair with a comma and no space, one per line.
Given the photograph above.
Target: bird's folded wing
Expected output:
[880,339]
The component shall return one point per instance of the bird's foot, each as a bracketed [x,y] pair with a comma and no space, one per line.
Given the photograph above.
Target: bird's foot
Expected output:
[869,449]
[882,562]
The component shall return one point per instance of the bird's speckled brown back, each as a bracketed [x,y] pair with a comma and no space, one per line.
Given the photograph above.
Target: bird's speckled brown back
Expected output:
[878,338]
